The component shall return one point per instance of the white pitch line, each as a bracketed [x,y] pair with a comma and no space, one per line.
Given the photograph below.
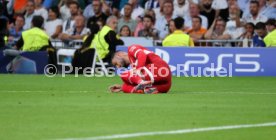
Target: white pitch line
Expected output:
[181,131]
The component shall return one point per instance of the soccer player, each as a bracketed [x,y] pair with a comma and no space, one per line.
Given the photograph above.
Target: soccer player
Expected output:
[149,73]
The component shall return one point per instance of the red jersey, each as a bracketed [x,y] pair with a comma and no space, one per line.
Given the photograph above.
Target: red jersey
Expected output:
[140,56]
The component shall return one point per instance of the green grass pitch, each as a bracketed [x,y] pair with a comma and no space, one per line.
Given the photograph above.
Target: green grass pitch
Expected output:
[34,107]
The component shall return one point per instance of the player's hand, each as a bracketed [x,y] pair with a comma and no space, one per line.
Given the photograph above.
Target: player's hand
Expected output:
[115,88]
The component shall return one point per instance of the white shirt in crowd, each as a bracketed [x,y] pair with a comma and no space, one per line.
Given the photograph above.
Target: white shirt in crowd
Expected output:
[41,12]
[88,11]
[188,22]
[249,18]
[181,11]
[244,5]
[28,21]
[232,29]
[138,11]
[148,4]
[72,31]
[71,25]
[162,27]
[219,4]
[50,26]
[64,12]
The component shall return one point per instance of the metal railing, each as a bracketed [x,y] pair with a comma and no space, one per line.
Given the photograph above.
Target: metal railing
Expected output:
[224,43]
[199,43]
[66,44]
[217,43]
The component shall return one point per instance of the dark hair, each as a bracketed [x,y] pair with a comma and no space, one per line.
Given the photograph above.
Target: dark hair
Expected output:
[221,20]
[37,21]
[94,29]
[74,2]
[255,2]
[21,16]
[55,10]
[179,22]
[127,28]
[271,22]
[3,23]
[260,25]
[150,17]
[250,24]
[198,17]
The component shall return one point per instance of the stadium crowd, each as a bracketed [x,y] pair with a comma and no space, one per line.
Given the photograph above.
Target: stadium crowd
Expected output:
[202,19]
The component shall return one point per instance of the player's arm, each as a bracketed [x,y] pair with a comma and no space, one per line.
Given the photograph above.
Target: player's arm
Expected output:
[139,55]
[141,59]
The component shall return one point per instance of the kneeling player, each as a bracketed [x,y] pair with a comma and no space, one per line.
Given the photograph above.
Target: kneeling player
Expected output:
[149,73]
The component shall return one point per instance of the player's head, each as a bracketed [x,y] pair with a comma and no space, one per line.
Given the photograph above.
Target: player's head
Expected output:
[120,59]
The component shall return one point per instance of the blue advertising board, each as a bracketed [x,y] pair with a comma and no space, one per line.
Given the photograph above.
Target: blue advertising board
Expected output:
[26,63]
[223,62]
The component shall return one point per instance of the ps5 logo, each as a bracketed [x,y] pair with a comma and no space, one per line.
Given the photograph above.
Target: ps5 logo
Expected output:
[243,62]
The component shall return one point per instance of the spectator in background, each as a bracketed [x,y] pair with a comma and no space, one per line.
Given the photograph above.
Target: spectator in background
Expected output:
[30,7]
[254,15]
[159,10]
[69,23]
[77,32]
[270,25]
[234,26]
[39,10]
[19,6]
[172,27]
[16,30]
[137,9]
[219,4]
[208,11]
[162,23]
[140,25]
[197,32]
[194,11]
[224,13]
[270,11]
[149,30]
[53,26]
[126,19]
[243,5]
[64,9]
[181,8]
[88,11]
[270,39]
[99,16]
[151,13]
[217,31]
[261,32]
[151,4]
[178,37]
[248,35]
[125,31]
